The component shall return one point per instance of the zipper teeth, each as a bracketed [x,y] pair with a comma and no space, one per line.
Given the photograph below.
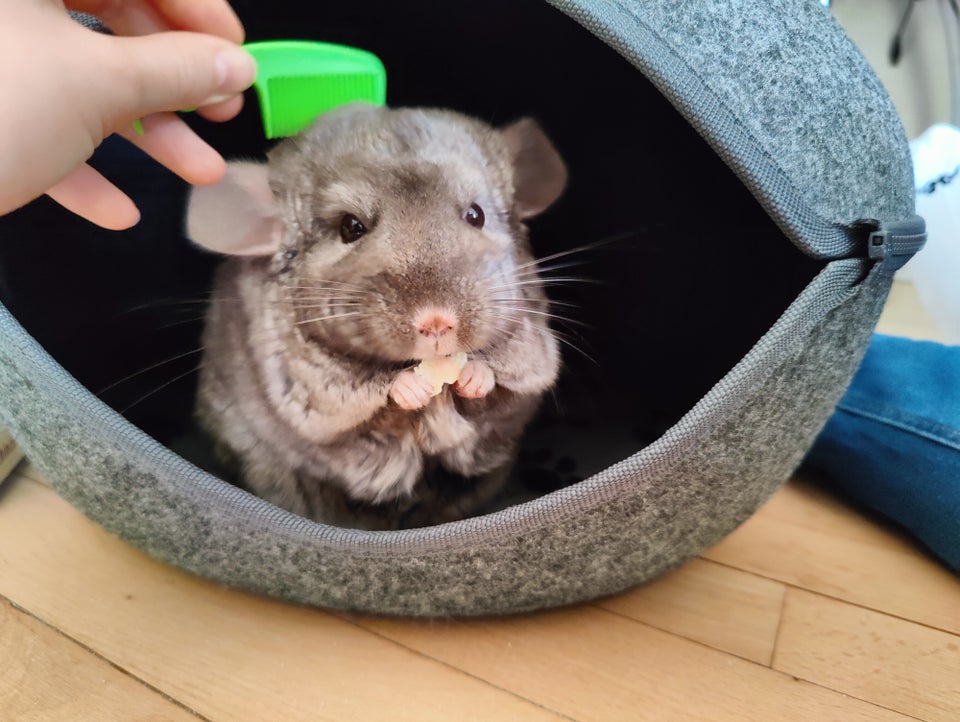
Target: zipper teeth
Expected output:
[684,88]
[469,536]
[908,245]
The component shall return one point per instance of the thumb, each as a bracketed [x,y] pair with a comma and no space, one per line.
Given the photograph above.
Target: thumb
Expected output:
[177,70]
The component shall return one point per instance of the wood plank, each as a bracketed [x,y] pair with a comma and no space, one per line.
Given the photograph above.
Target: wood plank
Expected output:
[594,665]
[47,677]
[805,537]
[10,454]
[891,662]
[724,608]
[225,654]
[29,471]
[904,315]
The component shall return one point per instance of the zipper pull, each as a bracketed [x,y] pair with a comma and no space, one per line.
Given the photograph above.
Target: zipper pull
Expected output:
[894,243]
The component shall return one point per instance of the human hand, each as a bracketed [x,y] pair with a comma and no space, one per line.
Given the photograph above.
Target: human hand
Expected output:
[67,88]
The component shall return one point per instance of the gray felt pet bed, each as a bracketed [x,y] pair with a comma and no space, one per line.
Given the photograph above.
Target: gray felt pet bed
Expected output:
[735,152]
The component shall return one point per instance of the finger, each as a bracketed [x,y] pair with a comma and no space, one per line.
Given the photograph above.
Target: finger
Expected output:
[170,141]
[170,71]
[206,16]
[90,195]
[133,17]
[220,112]
[426,386]
[143,17]
[404,400]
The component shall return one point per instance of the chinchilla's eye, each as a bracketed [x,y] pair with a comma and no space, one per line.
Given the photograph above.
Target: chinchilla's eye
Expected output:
[351,228]
[474,216]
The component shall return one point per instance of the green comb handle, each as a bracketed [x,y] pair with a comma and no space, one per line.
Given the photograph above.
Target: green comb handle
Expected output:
[298,80]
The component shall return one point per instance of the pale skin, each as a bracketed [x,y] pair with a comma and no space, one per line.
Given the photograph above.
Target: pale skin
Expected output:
[69,88]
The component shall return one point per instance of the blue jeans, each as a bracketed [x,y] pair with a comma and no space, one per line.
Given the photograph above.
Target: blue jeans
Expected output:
[893,443]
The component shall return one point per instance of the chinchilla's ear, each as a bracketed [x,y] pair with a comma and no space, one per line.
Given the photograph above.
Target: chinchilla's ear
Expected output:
[539,173]
[239,215]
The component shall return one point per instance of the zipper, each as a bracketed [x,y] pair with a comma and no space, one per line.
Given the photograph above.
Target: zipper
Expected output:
[893,243]
[718,126]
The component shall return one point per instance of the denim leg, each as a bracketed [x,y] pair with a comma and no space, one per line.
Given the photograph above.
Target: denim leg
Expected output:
[893,443]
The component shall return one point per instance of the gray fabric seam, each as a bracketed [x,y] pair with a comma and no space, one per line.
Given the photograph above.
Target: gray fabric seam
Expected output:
[747,169]
[596,490]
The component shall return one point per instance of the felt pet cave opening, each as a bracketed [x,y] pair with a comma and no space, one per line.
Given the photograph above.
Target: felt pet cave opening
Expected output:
[729,309]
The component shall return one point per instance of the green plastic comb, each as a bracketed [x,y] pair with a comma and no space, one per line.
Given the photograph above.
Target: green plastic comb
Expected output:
[298,80]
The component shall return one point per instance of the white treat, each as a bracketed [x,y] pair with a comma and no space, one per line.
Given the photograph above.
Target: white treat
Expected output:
[441,370]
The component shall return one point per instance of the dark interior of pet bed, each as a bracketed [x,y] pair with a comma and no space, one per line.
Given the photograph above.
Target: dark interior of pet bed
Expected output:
[693,274]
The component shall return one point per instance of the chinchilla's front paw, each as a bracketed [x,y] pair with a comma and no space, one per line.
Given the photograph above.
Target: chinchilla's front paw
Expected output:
[410,391]
[475,381]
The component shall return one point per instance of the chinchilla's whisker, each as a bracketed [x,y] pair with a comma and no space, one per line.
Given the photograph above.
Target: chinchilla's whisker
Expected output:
[309,299]
[507,332]
[325,283]
[326,299]
[548,314]
[499,313]
[551,302]
[201,297]
[306,290]
[182,322]
[327,290]
[151,367]
[169,303]
[161,387]
[330,281]
[509,335]
[549,269]
[558,335]
[561,254]
[513,285]
[561,280]
[543,281]
[332,309]
[507,317]
[317,302]
[332,299]
[564,339]
[540,266]
[329,318]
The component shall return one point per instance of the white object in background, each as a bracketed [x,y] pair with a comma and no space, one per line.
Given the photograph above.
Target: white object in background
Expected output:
[950,17]
[935,271]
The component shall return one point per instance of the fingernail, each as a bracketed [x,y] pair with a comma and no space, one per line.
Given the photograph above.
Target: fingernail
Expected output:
[236,71]
[214,99]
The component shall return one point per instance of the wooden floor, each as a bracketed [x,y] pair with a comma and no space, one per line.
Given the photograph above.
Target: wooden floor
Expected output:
[810,611]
